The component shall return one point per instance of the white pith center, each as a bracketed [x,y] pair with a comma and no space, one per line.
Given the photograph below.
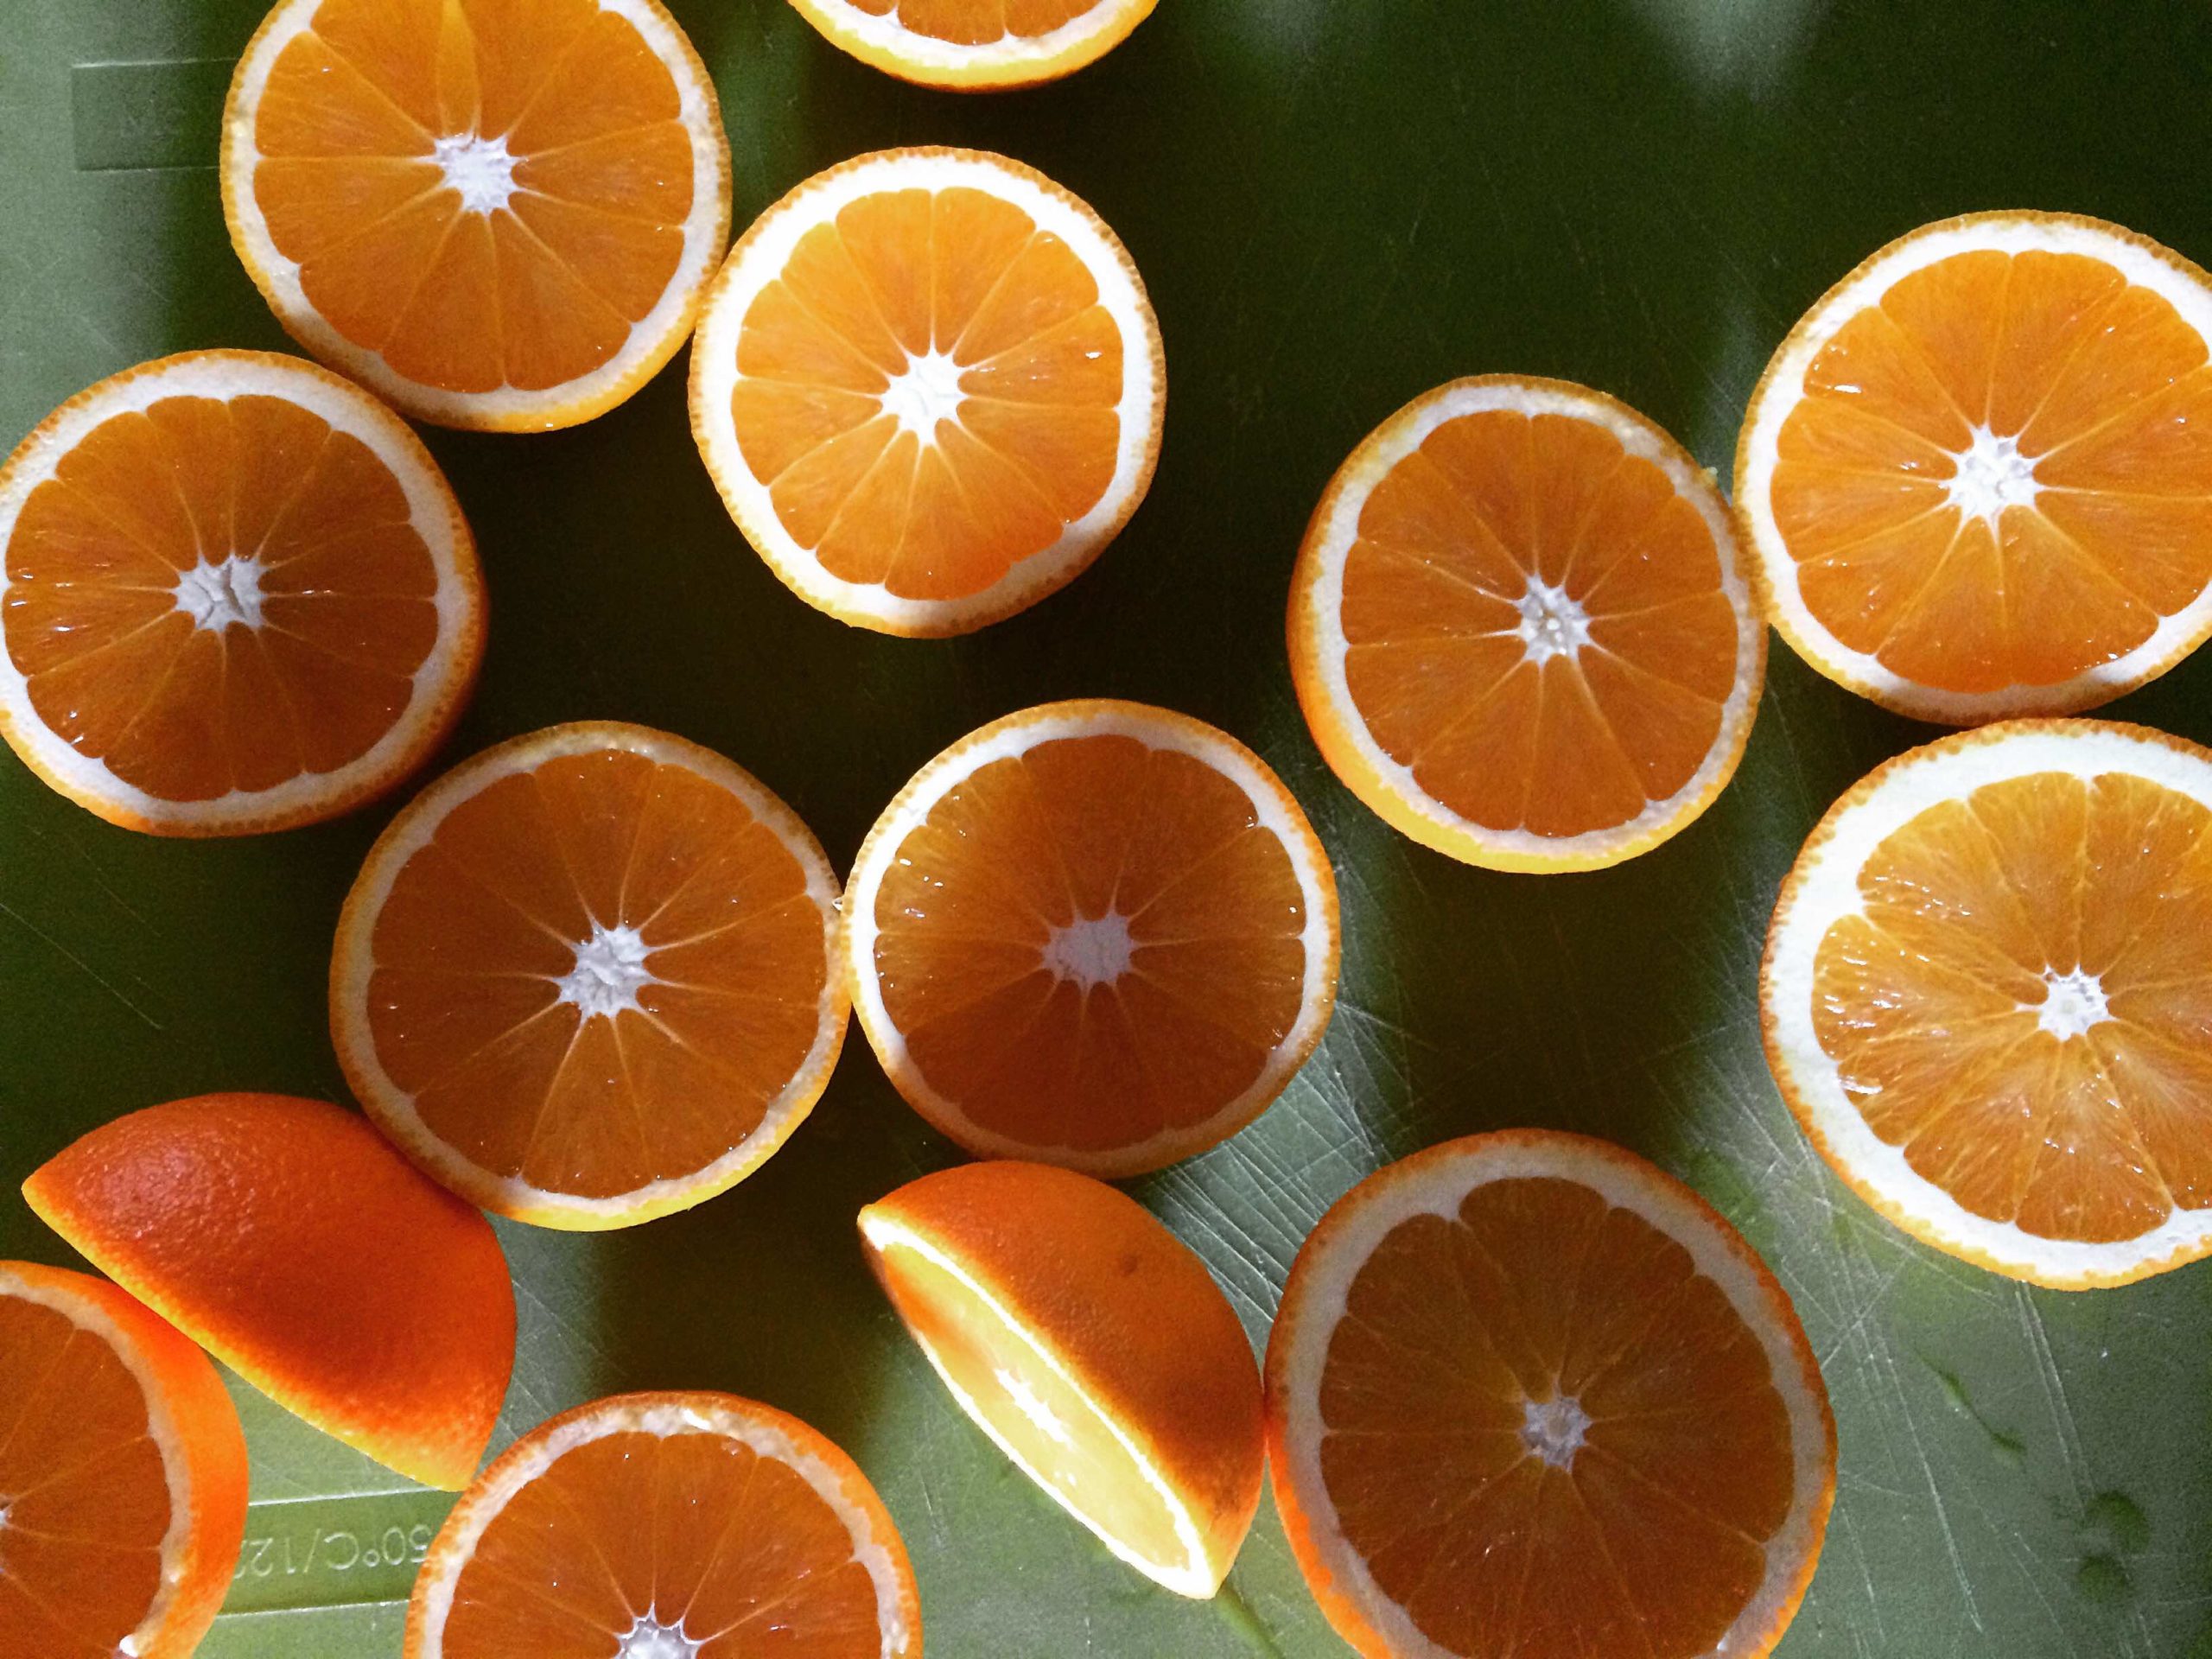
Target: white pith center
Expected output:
[1553,1429]
[651,1639]
[1991,475]
[479,168]
[1552,624]
[1091,950]
[929,391]
[609,973]
[2072,1003]
[216,595]
[1030,1404]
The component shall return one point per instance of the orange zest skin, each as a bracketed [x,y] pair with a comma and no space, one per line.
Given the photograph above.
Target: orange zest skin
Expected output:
[1133,1392]
[123,1474]
[244,1220]
[976,46]
[662,1519]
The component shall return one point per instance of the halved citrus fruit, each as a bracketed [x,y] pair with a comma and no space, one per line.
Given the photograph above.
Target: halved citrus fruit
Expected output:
[1985,996]
[1520,629]
[123,1475]
[1529,1396]
[976,45]
[1976,479]
[1095,934]
[929,386]
[590,976]
[499,216]
[1092,1347]
[239,596]
[289,1240]
[660,1525]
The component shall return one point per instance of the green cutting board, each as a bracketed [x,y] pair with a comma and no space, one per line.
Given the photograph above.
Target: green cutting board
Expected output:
[1336,204]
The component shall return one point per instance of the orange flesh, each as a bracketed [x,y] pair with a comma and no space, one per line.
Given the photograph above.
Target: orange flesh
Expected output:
[1032,444]
[2107,392]
[1449,543]
[695,1531]
[481,922]
[977,23]
[1084,828]
[1930,1002]
[531,295]
[99,556]
[84,1496]
[1651,1538]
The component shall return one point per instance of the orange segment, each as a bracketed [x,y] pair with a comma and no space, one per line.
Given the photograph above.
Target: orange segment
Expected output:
[1611,1383]
[245,1219]
[586,978]
[976,45]
[123,1475]
[1518,629]
[496,215]
[1094,1349]
[1974,477]
[238,595]
[1983,999]
[698,1524]
[928,384]
[1096,934]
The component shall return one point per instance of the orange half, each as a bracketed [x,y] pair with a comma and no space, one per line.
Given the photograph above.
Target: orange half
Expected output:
[497,215]
[976,45]
[1976,478]
[123,1475]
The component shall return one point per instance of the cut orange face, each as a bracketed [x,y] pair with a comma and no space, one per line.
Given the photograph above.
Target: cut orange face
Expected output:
[1520,630]
[244,1221]
[497,215]
[1092,1347]
[928,384]
[976,45]
[1093,934]
[1977,479]
[590,976]
[123,1475]
[664,1526]
[239,596]
[1985,997]
[1529,1396]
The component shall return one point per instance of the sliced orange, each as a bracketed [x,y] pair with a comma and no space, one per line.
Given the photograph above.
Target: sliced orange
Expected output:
[664,1526]
[1976,478]
[238,595]
[976,45]
[1986,997]
[289,1240]
[123,1475]
[499,215]
[590,976]
[1095,934]
[929,386]
[1093,1347]
[1520,628]
[1529,1396]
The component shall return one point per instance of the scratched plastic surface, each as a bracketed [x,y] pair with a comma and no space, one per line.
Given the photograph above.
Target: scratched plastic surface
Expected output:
[1337,204]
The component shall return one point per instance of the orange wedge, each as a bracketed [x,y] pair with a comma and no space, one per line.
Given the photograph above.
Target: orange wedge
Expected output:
[245,1221]
[976,45]
[1093,1347]
[1529,1395]
[590,976]
[1985,996]
[665,1525]
[238,595]
[1095,934]
[1520,629]
[497,215]
[123,1475]
[1976,477]
[929,386]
